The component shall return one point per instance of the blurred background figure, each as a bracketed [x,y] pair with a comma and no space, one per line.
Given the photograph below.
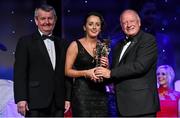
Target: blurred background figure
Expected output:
[68,113]
[169,98]
[153,21]
[112,108]
[177,85]
[7,106]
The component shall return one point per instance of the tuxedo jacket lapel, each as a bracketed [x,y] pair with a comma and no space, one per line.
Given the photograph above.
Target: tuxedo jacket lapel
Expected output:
[128,49]
[117,54]
[119,50]
[57,50]
[43,51]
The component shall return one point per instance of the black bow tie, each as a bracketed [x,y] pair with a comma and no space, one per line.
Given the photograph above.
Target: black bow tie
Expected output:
[44,37]
[128,40]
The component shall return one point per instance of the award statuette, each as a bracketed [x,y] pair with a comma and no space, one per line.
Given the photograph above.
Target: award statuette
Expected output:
[102,50]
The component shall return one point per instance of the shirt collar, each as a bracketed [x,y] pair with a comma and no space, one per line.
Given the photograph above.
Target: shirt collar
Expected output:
[42,33]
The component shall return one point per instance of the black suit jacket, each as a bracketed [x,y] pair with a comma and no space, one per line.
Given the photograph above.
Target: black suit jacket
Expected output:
[35,80]
[135,76]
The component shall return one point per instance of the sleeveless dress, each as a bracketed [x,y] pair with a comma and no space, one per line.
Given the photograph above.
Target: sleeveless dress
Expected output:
[168,102]
[88,98]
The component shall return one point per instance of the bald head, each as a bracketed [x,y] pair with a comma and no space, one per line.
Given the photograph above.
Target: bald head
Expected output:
[130,22]
[130,11]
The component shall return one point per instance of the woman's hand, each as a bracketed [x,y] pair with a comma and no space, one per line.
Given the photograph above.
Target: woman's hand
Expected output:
[105,62]
[90,74]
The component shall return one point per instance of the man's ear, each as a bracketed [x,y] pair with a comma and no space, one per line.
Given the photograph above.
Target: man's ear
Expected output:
[139,22]
[35,19]
[84,28]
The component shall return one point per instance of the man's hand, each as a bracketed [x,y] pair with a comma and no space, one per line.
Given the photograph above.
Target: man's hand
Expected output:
[102,72]
[67,106]
[22,107]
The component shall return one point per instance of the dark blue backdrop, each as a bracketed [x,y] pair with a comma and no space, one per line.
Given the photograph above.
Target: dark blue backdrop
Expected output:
[159,17]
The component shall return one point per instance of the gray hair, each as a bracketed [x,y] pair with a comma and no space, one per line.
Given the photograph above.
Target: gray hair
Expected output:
[44,7]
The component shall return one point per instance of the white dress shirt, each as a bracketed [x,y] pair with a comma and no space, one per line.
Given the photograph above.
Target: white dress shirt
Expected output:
[51,50]
[124,49]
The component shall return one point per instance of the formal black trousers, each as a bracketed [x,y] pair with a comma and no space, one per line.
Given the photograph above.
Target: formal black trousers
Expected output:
[50,111]
[143,115]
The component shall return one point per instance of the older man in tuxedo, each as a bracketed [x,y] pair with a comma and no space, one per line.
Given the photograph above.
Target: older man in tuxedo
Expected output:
[134,69]
[39,81]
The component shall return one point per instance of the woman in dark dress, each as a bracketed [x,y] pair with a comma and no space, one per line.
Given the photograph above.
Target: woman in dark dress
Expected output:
[89,96]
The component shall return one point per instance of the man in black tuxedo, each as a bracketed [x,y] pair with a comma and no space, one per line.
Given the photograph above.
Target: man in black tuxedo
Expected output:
[134,70]
[40,87]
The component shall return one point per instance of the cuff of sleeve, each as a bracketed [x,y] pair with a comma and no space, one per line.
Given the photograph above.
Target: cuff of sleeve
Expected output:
[111,73]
